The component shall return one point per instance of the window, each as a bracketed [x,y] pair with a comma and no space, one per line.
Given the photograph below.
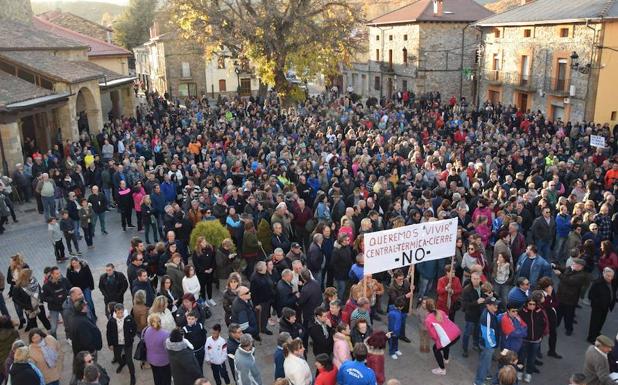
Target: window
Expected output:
[497,33]
[525,70]
[378,37]
[404,84]
[376,83]
[185,70]
[495,63]
[221,63]
[527,32]
[390,37]
[222,86]
[613,115]
[378,54]
[405,56]
[390,58]
[245,87]
[564,32]
[561,75]
[405,37]
[187,89]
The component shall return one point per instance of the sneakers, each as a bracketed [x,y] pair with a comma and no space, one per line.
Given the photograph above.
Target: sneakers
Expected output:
[395,357]
[399,353]
[520,375]
[527,377]
[211,302]
[439,372]
[445,362]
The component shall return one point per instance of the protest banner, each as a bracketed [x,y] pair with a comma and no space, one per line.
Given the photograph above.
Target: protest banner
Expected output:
[597,141]
[409,245]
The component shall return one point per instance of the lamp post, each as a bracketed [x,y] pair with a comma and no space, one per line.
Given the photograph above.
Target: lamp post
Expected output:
[238,70]
[585,69]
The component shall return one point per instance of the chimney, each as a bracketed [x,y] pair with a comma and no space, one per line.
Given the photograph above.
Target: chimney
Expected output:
[438,7]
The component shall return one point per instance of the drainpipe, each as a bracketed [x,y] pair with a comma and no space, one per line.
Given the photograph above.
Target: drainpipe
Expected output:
[592,65]
[463,40]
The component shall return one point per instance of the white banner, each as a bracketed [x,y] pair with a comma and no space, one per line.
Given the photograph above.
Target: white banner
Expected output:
[597,141]
[409,245]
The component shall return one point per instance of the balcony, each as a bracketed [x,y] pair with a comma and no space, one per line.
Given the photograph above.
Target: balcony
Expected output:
[387,68]
[495,77]
[523,82]
[558,86]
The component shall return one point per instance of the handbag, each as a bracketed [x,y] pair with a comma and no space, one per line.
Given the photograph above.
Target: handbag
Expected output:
[140,349]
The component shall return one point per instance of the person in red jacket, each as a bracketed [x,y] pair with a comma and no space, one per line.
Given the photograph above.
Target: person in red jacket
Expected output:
[327,372]
[448,284]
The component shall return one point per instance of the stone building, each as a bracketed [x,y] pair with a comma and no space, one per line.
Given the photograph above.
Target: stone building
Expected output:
[556,57]
[76,23]
[427,45]
[49,89]
[167,63]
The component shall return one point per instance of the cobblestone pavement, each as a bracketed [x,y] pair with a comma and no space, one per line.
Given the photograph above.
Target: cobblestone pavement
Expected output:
[30,238]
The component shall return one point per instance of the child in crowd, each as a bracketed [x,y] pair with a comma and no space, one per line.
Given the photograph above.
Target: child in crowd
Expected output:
[55,236]
[396,318]
[196,334]
[216,354]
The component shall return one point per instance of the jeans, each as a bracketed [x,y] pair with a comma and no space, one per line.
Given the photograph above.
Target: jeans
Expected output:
[219,371]
[484,365]
[126,358]
[148,227]
[341,286]
[88,298]
[20,312]
[76,226]
[96,218]
[470,328]
[501,290]
[393,344]
[527,355]
[544,249]
[558,249]
[49,206]
[108,195]
[54,315]
[425,286]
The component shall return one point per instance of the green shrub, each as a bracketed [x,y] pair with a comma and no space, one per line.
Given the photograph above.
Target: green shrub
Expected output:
[264,235]
[213,231]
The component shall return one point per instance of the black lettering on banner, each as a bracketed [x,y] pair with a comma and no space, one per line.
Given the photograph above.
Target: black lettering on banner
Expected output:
[406,258]
[419,254]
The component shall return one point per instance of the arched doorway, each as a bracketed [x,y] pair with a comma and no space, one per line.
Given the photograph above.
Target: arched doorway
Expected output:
[86,110]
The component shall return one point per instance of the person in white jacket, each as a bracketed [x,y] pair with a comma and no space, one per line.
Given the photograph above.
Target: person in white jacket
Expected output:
[159,307]
[216,355]
[296,369]
[190,283]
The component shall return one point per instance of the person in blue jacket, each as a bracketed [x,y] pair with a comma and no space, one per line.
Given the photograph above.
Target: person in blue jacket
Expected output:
[396,318]
[563,228]
[518,295]
[532,266]
[284,337]
[488,341]
[355,372]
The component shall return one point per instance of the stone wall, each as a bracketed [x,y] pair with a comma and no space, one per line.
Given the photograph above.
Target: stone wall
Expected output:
[16,10]
[179,51]
[544,47]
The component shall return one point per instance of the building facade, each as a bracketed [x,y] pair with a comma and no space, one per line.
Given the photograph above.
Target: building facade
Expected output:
[425,46]
[539,57]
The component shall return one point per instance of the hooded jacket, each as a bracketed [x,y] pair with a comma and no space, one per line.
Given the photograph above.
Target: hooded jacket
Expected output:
[129,329]
[183,364]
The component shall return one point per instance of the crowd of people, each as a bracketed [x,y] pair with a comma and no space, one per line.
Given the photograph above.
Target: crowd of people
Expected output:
[296,188]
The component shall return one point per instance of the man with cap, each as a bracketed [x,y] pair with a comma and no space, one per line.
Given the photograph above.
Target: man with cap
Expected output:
[296,253]
[596,365]
[602,296]
[488,340]
[572,280]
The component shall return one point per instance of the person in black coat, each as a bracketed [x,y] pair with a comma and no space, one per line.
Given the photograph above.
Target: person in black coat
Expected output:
[285,292]
[195,333]
[183,364]
[315,257]
[21,372]
[55,291]
[113,284]
[341,261]
[310,298]
[85,335]
[205,264]
[142,283]
[321,333]
[602,296]
[243,313]
[278,239]
[288,323]
[262,288]
[472,304]
[79,274]
[124,345]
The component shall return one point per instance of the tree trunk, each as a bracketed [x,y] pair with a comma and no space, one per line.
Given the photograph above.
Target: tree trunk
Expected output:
[282,86]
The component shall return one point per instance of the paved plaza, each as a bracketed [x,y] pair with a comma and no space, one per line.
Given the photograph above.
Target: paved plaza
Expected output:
[30,238]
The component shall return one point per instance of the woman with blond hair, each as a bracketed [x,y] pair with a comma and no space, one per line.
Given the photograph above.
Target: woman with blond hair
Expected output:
[166,318]
[23,371]
[140,310]
[27,293]
[16,264]
[156,354]
[296,369]
[204,261]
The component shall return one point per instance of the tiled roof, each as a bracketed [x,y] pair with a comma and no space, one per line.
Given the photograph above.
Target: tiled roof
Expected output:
[18,36]
[52,66]
[76,23]
[14,90]
[109,75]
[97,47]
[549,11]
[422,10]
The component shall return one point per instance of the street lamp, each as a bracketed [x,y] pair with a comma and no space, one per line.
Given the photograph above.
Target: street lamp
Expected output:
[577,67]
[238,70]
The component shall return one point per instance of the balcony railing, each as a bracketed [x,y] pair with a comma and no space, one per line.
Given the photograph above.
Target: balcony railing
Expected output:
[495,76]
[523,82]
[386,67]
[558,86]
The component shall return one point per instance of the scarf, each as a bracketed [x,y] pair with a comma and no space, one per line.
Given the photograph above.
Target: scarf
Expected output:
[49,354]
